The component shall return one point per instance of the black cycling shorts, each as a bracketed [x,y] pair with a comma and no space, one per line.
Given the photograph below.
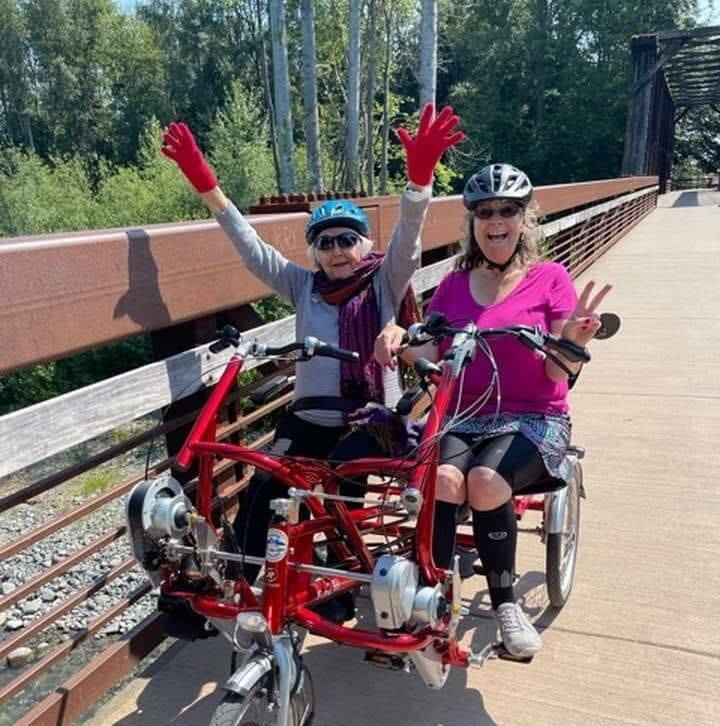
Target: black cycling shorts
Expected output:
[514,457]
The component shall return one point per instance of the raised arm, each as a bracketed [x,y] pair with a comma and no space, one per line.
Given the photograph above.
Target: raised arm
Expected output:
[262,259]
[435,135]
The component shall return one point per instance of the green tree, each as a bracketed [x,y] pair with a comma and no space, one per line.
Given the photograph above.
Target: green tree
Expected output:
[136,76]
[556,111]
[39,197]
[14,81]
[152,191]
[69,42]
[697,140]
[240,153]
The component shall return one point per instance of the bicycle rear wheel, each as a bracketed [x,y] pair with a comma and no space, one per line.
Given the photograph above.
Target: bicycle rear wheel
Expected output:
[561,548]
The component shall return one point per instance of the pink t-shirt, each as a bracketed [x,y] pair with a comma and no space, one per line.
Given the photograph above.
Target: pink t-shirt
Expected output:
[544,295]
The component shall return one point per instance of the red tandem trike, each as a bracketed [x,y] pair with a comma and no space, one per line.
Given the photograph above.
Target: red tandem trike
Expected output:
[385,544]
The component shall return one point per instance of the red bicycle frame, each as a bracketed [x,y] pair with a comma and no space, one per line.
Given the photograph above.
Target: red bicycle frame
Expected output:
[288,589]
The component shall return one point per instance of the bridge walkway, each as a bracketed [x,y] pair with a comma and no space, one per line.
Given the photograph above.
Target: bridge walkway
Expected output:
[638,642]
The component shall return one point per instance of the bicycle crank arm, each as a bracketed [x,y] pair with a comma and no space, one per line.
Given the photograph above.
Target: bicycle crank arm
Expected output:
[494,651]
[456,608]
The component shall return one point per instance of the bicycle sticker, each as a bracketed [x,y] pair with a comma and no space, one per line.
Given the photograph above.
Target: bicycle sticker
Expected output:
[277,545]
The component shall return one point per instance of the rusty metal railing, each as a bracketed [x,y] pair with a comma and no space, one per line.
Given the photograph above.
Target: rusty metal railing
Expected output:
[594,217]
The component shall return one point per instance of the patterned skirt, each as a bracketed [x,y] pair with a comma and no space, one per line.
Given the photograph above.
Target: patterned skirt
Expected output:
[549,433]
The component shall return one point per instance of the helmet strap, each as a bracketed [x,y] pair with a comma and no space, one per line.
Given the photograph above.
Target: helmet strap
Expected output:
[504,265]
[496,265]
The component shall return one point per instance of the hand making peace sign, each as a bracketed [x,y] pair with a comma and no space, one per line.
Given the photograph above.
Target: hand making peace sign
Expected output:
[585,321]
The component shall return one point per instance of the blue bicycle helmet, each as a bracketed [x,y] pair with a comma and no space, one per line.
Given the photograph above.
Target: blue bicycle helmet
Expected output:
[336,213]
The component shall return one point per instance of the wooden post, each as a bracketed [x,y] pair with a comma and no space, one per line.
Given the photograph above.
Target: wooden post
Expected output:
[170,341]
[650,129]
[644,57]
[666,138]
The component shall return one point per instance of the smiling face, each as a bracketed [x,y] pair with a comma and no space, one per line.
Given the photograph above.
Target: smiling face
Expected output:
[338,262]
[497,235]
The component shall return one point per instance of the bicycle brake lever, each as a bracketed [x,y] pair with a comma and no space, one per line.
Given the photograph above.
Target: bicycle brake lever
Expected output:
[533,340]
[229,335]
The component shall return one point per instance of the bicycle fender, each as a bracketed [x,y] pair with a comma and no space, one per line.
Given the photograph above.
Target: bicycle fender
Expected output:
[248,675]
[555,503]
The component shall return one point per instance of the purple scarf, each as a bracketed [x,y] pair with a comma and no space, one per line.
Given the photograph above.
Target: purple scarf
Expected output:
[359,322]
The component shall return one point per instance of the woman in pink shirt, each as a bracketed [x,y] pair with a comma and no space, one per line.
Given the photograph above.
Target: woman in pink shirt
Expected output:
[500,281]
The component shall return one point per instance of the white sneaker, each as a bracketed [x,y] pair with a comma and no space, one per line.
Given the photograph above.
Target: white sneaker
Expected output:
[518,634]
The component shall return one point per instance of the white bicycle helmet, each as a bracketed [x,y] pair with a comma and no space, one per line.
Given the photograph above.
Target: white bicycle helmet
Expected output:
[497,181]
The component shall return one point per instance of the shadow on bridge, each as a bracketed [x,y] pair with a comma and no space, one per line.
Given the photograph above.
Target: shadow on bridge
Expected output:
[695,198]
[184,685]
[688,199]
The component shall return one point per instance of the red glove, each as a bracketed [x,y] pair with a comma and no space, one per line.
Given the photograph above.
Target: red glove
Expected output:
[434,137]
[179,145]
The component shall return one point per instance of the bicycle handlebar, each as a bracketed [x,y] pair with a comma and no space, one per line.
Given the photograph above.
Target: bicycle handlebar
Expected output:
[437,327]
[309,347]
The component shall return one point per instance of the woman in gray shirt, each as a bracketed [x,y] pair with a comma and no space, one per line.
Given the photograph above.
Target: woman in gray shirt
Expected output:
[346,302]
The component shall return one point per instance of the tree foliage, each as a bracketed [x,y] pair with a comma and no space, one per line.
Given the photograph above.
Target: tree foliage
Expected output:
[540,82]
[502,58]
[86,87]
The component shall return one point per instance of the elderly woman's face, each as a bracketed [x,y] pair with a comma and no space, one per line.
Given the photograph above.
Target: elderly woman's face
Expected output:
[338,251]
[497,225]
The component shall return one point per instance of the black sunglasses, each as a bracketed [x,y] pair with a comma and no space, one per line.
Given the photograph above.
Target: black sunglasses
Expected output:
[344,241]
[507,212]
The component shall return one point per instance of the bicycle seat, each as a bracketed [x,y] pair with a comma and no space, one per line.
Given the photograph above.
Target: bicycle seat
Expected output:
[543,486]
[272,388]
[550,483]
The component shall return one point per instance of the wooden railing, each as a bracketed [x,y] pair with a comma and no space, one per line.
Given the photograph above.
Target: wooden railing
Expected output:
[65,293]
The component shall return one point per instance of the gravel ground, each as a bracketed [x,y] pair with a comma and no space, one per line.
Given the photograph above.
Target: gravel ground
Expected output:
[22,567]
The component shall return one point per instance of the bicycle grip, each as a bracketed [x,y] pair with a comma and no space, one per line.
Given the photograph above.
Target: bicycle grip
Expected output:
[572,352]
[332,351]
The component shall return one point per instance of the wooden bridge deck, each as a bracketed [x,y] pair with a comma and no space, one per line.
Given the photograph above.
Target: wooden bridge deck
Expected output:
[639,641]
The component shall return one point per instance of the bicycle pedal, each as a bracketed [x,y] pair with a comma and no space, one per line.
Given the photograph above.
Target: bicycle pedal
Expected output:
[389,661]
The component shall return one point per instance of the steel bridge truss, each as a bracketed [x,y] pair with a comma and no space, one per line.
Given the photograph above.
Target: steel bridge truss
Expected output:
[673,72]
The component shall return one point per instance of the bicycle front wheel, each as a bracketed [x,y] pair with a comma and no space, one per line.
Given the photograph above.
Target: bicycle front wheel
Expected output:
[257,708]
[562,547]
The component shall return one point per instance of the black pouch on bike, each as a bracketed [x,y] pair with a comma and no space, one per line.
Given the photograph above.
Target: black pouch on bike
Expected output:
[233,570]
[182,621]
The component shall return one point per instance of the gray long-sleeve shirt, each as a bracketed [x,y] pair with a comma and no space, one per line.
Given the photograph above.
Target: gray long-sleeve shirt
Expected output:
[321,376]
